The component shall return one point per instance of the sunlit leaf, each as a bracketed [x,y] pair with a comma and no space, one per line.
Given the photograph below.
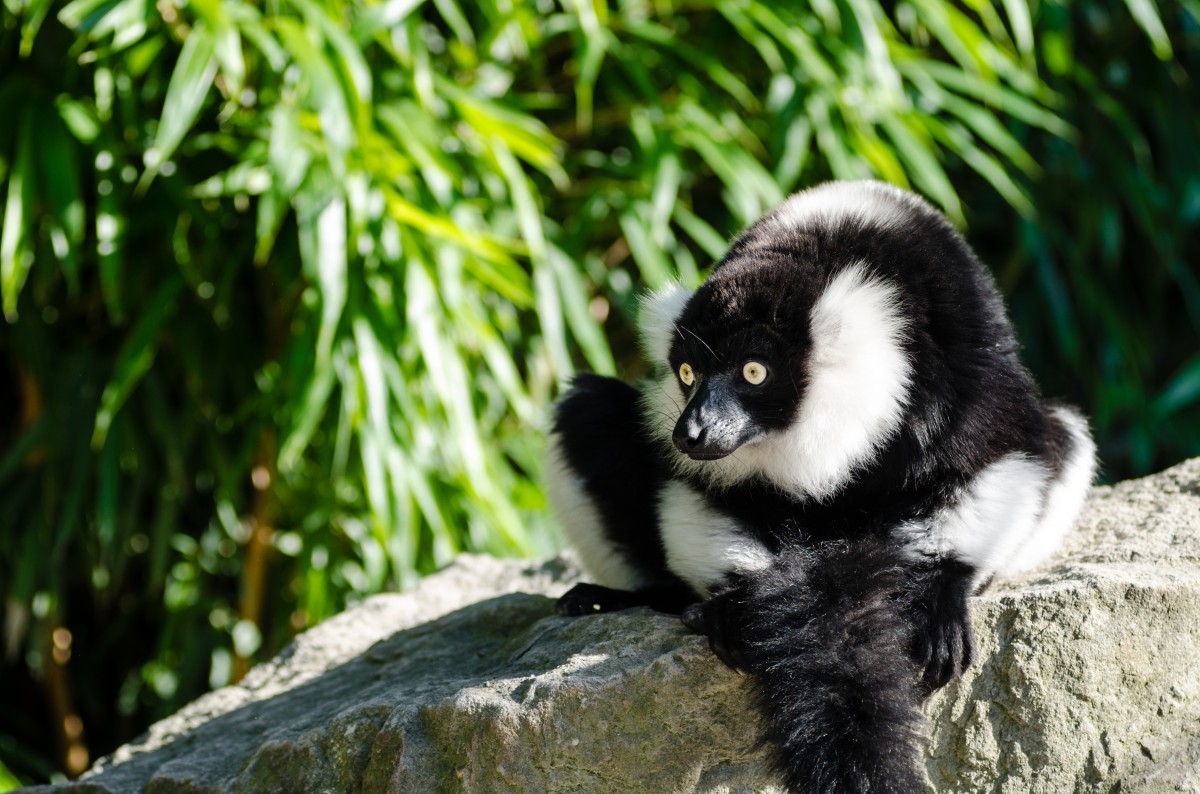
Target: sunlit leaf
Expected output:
[190,84]
[1146,14]
[15,256]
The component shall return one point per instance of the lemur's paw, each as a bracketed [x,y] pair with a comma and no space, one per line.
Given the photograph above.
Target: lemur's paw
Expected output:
[719,618]
[592,599]
[944,645]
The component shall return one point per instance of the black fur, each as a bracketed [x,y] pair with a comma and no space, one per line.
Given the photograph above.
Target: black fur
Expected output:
[826,646]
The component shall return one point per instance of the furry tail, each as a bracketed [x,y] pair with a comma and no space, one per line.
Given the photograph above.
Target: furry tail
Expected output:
[825,636]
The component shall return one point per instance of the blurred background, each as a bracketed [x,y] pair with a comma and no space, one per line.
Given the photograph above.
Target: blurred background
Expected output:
[287,287]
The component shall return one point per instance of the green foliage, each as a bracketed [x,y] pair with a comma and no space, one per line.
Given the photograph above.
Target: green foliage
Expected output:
[288,287]
[1103,281]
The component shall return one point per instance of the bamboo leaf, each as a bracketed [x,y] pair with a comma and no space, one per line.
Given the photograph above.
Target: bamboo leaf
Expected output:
[34,15]
[60,178]
[190,83]
[1146,14]
[1181,391]
[136,356]
[16,258]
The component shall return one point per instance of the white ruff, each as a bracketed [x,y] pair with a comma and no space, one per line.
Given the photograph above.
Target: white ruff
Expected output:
[656,321]
[876,202]
[1065,496]
[857,388]
[702,545]
[584,526]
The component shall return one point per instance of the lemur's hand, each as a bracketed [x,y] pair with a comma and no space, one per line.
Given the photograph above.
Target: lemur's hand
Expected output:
[592,599]
[720,619]
[943,642]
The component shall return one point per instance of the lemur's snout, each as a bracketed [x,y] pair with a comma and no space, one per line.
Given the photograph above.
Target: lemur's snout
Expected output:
[689,435]
[713,424]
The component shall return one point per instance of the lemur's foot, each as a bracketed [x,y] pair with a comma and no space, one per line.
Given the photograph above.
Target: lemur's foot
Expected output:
[592,599]
[943,642]
[720,619]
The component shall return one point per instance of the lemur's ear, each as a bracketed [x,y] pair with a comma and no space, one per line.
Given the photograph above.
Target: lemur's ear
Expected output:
[656,321]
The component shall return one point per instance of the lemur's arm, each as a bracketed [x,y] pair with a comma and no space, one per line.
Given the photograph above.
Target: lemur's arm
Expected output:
[930,596]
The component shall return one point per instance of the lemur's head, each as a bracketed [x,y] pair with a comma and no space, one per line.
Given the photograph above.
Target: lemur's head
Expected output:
[790,362]
[737,355]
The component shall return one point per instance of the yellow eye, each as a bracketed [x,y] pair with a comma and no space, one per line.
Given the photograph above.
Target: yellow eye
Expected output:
[686,375]
[754,372]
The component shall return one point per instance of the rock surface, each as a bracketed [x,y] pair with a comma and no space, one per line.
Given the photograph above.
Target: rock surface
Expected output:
[1089,681]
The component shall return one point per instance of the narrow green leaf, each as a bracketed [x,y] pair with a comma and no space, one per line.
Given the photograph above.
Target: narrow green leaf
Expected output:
[736,15]
[324,92]
[456,21]
[311,410]
[29,439]
[990,129]
[323,249]
[110,231]
[1145,13]
[703,234]
[136,356]
[16,258]
[993,93]
[107,496]
[922,164]
[189,85]
[1022,26]
[584,328]
[550,316]
[353,63]
[34,16]
[959,141]
[649,258]
[528,137]
[703,63]
[60,179]
[1181,391]
[85,14]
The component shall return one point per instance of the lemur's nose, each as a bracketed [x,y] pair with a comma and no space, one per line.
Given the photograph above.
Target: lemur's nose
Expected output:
[689,435]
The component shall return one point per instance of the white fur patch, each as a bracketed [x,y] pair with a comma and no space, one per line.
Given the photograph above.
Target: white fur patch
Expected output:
[584,526]
[1064,498]
[876,202]
[857,390]
[703,545]
[657,321]
[992,519]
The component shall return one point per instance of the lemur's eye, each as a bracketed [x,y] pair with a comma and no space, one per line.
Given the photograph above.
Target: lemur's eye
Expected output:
[754,372]
[686,375]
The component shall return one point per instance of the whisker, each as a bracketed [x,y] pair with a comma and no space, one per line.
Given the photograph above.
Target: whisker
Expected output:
[701,341]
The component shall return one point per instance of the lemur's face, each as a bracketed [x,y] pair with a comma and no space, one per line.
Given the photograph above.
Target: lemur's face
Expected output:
[738,367]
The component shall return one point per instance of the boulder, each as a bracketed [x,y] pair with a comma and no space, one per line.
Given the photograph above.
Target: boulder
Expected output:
[1089,680]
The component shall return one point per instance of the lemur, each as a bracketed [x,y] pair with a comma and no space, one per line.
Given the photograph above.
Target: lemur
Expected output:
[839,446]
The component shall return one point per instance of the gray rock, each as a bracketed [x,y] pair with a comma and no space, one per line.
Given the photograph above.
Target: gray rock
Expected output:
[1089,681]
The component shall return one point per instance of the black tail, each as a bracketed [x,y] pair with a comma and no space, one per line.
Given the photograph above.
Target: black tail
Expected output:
[825,636]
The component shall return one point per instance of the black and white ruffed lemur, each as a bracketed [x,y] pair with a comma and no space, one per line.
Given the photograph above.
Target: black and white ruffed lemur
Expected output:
[840,446]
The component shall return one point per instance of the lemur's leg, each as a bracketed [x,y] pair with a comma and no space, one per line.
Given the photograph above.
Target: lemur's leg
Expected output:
[603,477]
